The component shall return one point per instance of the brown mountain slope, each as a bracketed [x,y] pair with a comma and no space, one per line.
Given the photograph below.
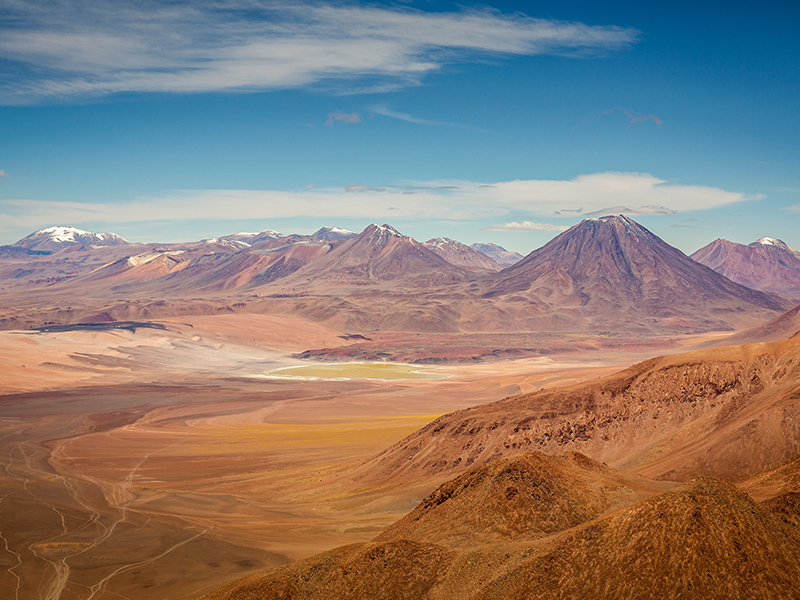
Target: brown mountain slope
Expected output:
[503,257]
[219,272]
[377,257]
[704,539]
[524,497]
[768,264]
[605,277]
[728,412]
[770,484]
[781,328]
[462,255]
[619,276]
[30,271]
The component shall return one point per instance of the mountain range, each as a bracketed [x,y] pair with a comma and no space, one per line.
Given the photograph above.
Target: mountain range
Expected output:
[606,274]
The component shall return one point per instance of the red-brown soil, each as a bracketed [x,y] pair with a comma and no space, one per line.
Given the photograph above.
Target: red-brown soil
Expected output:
[704,539]
[177,465]
[163,458]
[781,328]
[519,498]
[729,412]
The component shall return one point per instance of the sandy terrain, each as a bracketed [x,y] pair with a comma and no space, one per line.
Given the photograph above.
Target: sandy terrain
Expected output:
[163,459]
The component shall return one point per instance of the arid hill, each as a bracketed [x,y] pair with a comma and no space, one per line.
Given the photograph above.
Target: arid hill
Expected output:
[704,539]
[523,497]
[462,255]
[603,275]
[613,274]
[503,257]
[379,255]
[728,412]
[768,264]
[332,234]
[781,328]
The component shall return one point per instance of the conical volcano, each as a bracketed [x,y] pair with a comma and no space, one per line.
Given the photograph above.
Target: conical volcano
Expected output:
[379,256]
[611,273]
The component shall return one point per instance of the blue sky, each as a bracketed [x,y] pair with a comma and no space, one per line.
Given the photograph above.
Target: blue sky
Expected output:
[503,122]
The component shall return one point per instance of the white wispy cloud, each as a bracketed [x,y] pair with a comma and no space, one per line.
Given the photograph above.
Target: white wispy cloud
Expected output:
[440,199]
[526,226]
[99,47]
[631,210]
[387,112]
[3,173]
[358,188]
[342,117]
[587,194]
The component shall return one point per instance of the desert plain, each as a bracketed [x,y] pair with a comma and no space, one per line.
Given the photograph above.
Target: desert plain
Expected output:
[163,459]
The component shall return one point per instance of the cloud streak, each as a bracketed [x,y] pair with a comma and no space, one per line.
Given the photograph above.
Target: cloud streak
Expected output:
[527,226]
[386,112]
[342,117]
[85,48]
[631,210]
[440,199]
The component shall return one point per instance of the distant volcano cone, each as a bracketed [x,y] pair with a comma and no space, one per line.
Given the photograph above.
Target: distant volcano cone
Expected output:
[380,255]
[613,270]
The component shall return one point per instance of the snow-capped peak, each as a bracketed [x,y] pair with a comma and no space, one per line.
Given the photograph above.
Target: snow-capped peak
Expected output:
[768,241]
[64,233]
[229,242]
[385,230]
[333,234]
[59,236]
[775,243]
[246,234]
[440,241]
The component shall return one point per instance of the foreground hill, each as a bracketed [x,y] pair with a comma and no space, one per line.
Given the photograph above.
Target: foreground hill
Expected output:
[767,264]
[614,274]
[704,539]
[524,497]
[728,412]
[780,328]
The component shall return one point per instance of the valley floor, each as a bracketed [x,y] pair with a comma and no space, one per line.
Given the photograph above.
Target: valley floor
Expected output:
[164,459]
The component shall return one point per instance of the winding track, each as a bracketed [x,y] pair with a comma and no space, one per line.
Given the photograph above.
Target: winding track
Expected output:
[24,475]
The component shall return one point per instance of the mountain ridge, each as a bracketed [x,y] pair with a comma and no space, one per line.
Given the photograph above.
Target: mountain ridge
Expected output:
[767,264]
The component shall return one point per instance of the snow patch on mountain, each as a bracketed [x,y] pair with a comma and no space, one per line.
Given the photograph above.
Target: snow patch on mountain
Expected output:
[60,236]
